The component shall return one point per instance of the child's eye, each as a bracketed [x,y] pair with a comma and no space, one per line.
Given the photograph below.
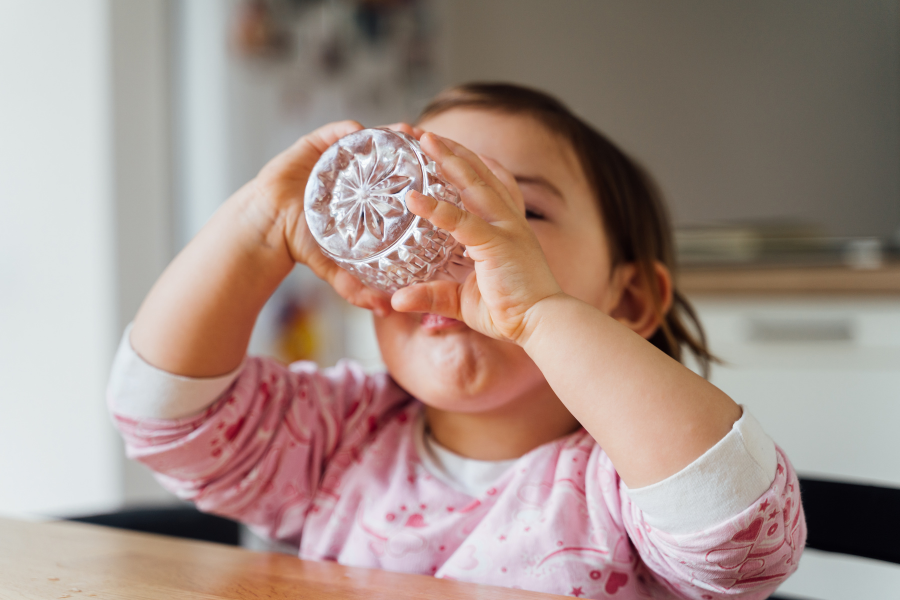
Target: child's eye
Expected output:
[530,213]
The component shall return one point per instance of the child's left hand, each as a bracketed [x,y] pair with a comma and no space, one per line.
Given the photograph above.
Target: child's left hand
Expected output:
[511,273]
[652,416]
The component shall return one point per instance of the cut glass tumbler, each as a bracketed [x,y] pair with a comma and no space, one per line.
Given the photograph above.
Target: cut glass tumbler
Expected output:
[355,207]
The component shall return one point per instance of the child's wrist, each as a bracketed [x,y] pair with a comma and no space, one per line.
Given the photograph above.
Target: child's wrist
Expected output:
[541,315]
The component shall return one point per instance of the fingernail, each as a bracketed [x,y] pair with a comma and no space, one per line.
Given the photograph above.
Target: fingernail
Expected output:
[421,197]
[438,139]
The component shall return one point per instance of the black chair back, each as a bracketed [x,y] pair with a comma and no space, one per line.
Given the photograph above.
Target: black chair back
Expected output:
[178,521]
[850,518]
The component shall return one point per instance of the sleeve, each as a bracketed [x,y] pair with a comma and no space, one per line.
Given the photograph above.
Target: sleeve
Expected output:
[259,452]
[733,524]
[715,487]
[140,390]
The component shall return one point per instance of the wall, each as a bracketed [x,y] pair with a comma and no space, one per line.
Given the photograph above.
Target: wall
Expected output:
[201,112]
[57,451]
[743,110]
[234,113]
[86,226]
[140,35]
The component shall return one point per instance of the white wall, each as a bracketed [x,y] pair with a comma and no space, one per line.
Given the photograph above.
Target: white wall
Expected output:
[201,111]
[751,110]
[57,301]
[140,34]
[86,226]
[743,110]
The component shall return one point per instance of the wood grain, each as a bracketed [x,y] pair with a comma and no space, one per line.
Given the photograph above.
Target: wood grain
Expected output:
[841,281]
[79,561]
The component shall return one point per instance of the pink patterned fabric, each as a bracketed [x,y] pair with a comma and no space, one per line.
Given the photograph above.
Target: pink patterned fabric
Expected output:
[326,460]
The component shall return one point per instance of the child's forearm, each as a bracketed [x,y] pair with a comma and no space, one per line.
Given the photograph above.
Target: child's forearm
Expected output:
[651,415]
[198,317]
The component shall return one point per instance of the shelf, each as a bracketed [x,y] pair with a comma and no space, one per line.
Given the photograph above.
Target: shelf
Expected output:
[768,280]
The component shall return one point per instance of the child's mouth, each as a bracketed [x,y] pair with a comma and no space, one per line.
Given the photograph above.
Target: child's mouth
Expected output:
[433,322]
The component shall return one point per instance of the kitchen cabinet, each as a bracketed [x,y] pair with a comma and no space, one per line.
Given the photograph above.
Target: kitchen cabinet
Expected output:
[822,375]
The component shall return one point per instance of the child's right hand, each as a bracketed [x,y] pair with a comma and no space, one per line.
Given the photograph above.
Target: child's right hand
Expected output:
[279,189]
[198,318]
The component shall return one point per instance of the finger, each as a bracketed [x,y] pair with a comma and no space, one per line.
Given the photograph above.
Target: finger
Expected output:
[355,292]
[349,287]
[483,195]
[508,180]
[406,128]
[325,136]
[436,297]
[466,227]
[304,153]
[485,170]
[488,167]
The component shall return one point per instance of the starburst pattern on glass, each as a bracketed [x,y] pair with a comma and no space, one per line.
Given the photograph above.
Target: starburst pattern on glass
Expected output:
[356,210]
[367,195]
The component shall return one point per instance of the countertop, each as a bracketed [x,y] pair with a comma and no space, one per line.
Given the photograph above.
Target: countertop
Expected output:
[791,280]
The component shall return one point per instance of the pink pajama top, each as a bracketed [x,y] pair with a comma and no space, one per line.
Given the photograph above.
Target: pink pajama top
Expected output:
[335,462]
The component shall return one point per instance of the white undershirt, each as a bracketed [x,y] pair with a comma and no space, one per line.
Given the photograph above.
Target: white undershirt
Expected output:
[473,477]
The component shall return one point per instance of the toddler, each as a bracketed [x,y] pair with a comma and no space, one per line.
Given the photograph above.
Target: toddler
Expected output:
[534,429]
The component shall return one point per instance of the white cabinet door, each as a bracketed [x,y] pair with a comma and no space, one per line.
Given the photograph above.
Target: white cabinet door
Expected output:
[823,377]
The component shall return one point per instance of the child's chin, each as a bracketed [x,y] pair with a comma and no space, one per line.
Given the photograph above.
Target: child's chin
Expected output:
[462,371]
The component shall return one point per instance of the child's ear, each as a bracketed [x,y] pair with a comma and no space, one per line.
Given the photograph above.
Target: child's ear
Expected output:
[636,308]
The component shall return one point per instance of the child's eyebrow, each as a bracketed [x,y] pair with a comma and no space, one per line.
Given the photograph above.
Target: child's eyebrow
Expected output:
[540,182]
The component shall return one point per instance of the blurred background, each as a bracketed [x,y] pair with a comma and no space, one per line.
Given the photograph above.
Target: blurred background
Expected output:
[772,126]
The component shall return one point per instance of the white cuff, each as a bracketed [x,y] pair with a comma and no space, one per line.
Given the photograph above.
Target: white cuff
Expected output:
[719,485]
[139,390]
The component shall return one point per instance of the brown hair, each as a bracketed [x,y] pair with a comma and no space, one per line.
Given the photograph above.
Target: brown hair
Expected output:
[631,205]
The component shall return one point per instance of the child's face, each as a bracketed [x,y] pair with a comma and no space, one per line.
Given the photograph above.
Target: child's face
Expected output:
[451,367]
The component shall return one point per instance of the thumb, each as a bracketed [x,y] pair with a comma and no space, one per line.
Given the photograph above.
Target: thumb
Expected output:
[303,154]
[436,297]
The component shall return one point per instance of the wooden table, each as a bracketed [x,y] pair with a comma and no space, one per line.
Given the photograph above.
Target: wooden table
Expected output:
[77,561]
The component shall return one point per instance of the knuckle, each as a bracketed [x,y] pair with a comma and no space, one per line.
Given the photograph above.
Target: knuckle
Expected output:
[458,217]
[463,170]
[480,182]
[272,185]
[444,217]
[429,296]
[348,123]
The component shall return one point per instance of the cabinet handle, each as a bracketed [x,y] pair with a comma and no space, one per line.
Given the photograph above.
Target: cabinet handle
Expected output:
[769,330]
